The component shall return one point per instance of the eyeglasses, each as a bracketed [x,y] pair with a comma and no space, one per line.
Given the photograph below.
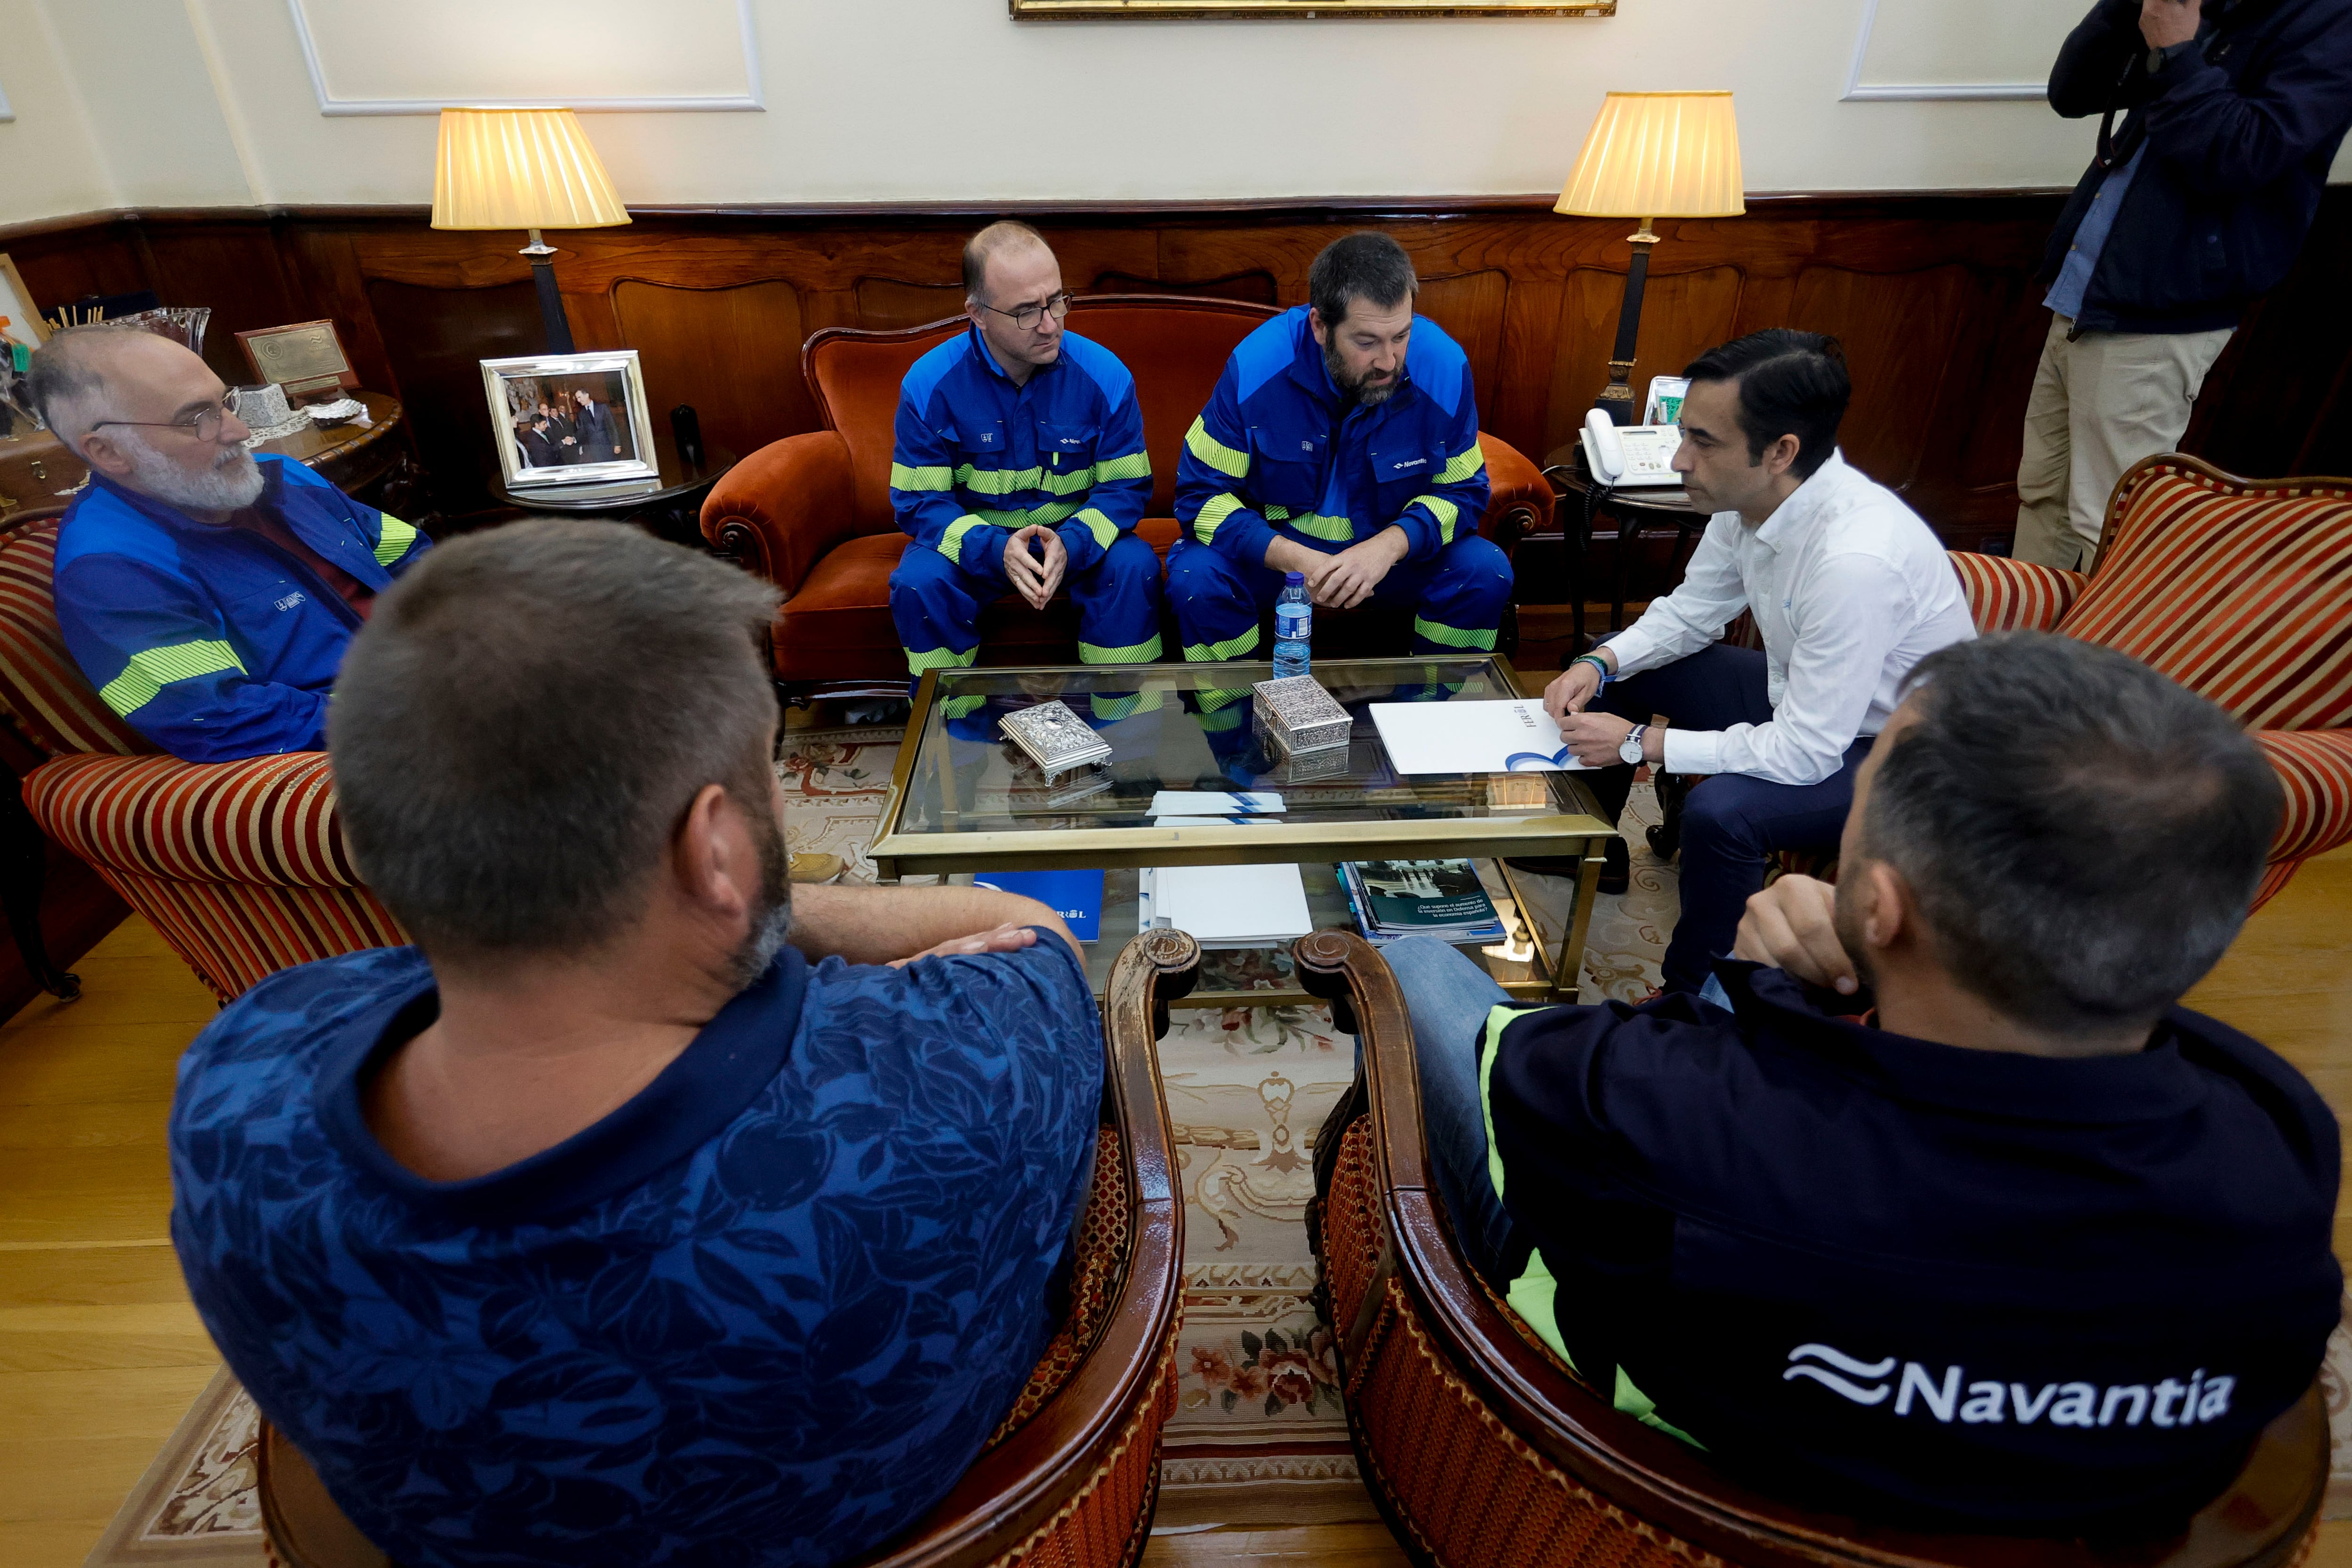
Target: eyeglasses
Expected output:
[1027,317]
[204,424]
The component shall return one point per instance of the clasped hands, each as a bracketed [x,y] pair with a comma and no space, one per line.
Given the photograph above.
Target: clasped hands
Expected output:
[1592,738]
[1344,580]
[1033,578]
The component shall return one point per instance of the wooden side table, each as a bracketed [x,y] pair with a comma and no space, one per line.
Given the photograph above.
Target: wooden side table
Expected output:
[374,461]
[669,507]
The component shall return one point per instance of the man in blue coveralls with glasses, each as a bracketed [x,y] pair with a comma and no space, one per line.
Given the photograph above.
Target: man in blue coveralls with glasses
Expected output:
[1019,464]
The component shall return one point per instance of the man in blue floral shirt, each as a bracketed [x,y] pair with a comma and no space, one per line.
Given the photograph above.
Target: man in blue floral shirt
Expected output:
[648,1210]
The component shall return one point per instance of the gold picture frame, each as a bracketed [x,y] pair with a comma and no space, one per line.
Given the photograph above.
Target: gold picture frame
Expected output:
[1311,10]
[303,357]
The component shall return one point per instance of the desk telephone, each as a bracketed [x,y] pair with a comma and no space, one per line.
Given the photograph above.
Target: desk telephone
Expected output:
[1630,455]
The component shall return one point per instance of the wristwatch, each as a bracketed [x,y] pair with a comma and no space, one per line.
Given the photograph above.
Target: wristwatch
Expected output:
[1630,748]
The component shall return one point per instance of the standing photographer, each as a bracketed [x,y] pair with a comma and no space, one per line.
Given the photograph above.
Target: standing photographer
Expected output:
[2197,203]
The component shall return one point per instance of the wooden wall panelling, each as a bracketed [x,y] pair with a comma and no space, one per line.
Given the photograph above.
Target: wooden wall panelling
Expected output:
[1470,306]
[1898,332]
[326,268]
[2292,352]
[240,270]
[1683,315]
[733,353]
[1532,294]
[436,338]
[61,263]
[1989,456]
[1252,287]
[887,303]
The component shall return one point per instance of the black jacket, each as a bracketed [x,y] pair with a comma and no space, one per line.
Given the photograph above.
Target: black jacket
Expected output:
[1917,1281]
[2241,128]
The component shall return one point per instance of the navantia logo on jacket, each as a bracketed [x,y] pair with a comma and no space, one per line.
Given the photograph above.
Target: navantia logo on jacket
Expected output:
[2166,1402]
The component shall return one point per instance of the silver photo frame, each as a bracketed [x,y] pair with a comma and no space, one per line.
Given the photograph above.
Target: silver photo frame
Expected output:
[569,419]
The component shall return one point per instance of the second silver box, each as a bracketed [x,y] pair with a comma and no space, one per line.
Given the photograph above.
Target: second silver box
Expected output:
[1303,714]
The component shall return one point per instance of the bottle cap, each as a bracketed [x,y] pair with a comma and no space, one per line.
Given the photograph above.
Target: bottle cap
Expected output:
[1295,578]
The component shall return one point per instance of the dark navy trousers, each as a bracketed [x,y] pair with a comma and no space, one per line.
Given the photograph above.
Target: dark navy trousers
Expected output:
[1732,822]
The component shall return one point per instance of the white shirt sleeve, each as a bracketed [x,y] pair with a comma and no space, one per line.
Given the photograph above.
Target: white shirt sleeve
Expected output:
[1846,622]
[1695,615]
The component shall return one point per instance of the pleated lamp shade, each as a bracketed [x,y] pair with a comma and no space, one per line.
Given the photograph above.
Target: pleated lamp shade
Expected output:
[520,169]
[1659,155]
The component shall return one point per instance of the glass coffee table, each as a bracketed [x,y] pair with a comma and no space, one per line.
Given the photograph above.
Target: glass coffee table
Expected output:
[964,799]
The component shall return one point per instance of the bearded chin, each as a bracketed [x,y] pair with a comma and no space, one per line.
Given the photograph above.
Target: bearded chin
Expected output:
[226,486]
[772,923]
[1355,386]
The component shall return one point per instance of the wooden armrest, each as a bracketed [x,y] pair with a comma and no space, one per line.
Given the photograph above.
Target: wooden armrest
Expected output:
[779,510]
[1022,1483]
[269,821]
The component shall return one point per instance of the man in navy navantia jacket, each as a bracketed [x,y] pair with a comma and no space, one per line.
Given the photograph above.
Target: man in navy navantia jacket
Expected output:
[1341,443]
[2194,204]
[1950,1215]
[1018,462]
[208,596]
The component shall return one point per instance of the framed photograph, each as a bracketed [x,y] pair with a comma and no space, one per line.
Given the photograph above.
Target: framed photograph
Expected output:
[571,419]
[25,324]
[1312,10]
[304,358]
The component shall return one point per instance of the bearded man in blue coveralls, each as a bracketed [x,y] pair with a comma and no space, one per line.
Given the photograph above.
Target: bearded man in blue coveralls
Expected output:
[1019,464]
[208,596]
[1341,443]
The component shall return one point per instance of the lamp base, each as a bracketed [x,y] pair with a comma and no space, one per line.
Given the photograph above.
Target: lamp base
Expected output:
[1616,399]
[550,300]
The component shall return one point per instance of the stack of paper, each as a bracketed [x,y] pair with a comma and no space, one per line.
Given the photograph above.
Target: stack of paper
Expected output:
[1514,737]
[1225,905]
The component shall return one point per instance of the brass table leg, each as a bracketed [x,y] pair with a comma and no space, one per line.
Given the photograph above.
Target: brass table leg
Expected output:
[1568,975]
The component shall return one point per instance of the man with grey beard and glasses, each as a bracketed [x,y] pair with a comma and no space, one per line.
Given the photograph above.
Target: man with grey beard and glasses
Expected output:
[208,595]
[650,1209]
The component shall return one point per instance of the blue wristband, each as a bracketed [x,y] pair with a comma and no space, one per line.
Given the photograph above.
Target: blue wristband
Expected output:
[1600,665]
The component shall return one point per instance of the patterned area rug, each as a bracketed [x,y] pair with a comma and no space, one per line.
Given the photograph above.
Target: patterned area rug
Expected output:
[1258,1437]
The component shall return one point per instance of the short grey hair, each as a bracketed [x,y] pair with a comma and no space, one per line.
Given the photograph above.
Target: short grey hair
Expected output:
[521,724]
[2084,835]
[68,388]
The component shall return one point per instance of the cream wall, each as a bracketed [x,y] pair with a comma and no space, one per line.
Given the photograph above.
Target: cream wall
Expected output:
[209,101]
[48,159]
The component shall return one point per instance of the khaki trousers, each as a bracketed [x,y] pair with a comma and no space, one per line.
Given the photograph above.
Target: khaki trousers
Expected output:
[2099,406]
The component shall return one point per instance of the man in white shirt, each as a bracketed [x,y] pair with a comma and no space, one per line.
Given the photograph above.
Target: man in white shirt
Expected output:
[1849,590]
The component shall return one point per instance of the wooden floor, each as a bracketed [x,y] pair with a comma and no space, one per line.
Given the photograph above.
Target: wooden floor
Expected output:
[100,1353]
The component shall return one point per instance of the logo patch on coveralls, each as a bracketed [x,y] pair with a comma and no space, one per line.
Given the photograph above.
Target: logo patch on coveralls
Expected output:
[2169,1402]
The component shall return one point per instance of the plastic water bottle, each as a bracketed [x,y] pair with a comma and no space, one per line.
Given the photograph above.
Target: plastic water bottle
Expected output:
[1293,622]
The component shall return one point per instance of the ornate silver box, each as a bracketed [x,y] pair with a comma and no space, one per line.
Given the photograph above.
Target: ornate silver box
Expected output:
[1301,715]
[1054,738]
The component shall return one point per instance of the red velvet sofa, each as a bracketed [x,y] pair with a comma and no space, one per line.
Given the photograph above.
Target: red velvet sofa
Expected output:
[811,513]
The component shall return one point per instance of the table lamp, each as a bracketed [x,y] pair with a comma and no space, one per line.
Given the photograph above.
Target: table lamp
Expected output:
[524,169]
[1653,155]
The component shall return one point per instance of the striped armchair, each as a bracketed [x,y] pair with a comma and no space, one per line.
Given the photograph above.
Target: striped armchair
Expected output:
[2239,589]
[240,865]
